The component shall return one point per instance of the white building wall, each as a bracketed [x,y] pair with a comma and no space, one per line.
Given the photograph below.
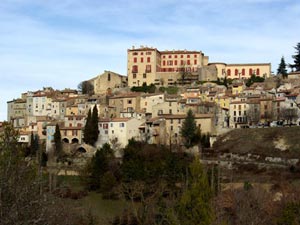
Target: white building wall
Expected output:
[147,102]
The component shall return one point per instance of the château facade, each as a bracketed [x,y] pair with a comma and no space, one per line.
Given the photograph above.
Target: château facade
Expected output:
[164,68]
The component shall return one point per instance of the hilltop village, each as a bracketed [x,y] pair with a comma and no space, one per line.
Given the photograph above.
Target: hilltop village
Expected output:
[152,101]
[176,141]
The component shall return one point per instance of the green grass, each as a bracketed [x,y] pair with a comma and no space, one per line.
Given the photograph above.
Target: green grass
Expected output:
[103,209]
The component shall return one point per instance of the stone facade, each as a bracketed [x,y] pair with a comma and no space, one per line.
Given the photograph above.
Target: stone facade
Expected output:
[107,82]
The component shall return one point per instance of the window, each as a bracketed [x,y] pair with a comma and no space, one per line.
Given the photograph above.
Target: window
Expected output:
[108,77]
[129,101]
[236,72]
[142,59]
[243,72]
[148,68]
[134,53]
[171,127]
[148,53]
[175,62]
[164,56]
[142,53]
[164,63]
[135,69]
[170,111]
[188,62]
[181,62]
[105,126]
[134,76]
[257,71]
[148,59]
[250,72]
[195,61]
[170,56]
[144,75]
[181,56]
[111,125]
[228,72]
[135,59]
[175,56]
[171,121]
[122,124]
[170,63]
[195,56]
[188,56]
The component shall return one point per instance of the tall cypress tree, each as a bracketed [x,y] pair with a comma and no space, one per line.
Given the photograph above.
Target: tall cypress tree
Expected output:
[31,143]
[87,128]
[296,58]
[57,142]
[282,68]
[91,130]
[94,126]
[36,144]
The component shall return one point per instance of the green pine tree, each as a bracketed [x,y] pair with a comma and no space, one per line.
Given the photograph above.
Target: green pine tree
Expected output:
[98,166]
[282,68]
[195,204]
[189,129]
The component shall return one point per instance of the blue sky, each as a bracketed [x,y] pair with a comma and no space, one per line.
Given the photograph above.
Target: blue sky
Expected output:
[59,43]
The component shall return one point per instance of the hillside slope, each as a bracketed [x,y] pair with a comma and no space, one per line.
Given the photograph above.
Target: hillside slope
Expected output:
[275,142]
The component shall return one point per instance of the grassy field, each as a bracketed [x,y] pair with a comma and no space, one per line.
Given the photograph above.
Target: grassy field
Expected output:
[103,209]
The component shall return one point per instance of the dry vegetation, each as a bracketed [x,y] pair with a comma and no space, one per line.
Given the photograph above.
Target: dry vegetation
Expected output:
[275,142]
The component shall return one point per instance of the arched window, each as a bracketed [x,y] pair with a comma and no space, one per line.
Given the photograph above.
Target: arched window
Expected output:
[75,140]
[228,72]
[257,72]
[243,72]
[65,140]
[250,72]
[236,72]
